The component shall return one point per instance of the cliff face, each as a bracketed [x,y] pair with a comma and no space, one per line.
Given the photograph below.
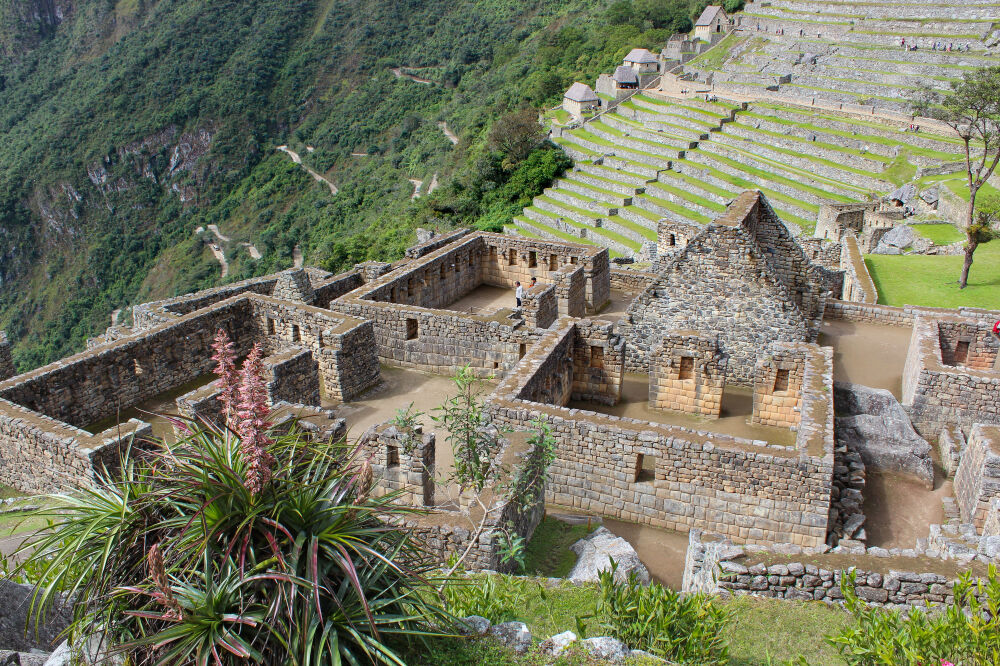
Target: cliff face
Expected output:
[24,24]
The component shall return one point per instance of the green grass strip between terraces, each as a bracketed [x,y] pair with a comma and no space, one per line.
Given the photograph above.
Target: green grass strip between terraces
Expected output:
[676,209]
[624,240]
[771,176]
[722,112]
[600,141]
[689,196]
[594,188]
[638,125]
[646,142]
[821,144]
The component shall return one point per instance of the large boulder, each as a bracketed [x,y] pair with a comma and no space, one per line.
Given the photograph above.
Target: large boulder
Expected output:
[595,552]
[873,423]
[514,635]
[896,239]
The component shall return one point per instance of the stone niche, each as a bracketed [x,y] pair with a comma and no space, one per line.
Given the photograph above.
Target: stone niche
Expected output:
[967,345]
[777,388]
[687,373]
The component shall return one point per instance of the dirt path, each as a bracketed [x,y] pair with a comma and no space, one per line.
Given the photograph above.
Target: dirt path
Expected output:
[434,184]
[221,256]
[214,228]
[400,74]
[317,177]
[359,154]
[252,249]
[114,316]
[297,256]
[448,133]
[417,184]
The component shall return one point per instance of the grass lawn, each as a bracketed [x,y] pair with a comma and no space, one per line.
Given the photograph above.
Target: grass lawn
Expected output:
[762,631]
[548,552]
[933,281]
[939,234]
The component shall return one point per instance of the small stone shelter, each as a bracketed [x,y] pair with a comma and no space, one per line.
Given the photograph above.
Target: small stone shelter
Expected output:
[713,21]
[580,99]
[625,78]
[642,61]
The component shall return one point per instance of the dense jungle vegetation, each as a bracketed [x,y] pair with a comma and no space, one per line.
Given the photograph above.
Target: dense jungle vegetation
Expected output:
[129,124]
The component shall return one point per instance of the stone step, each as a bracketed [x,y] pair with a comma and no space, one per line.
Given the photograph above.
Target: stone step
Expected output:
[685,134]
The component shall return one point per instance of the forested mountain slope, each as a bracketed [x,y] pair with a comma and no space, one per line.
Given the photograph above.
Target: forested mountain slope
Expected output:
[127,125]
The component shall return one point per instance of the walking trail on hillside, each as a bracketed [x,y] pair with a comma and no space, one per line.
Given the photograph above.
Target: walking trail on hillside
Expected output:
[417,184]
[317,177]
[448,133]
[400,74]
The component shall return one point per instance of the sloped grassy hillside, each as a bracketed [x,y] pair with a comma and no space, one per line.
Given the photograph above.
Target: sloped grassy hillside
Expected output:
[129,124]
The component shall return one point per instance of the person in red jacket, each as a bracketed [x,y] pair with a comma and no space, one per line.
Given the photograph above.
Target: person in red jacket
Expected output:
[996,330]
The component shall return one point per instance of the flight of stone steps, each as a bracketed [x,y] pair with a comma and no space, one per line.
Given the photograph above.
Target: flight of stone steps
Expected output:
[657,156]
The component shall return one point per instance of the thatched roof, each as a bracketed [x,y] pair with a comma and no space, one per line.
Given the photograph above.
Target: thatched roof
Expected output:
[625,74]
[640,56]
[581,92]
[708,15]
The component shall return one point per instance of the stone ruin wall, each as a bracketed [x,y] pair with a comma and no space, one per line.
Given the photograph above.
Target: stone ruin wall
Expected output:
[751,491]
[937,394]
[412,330]
[715,565]
[687,373]
[42,444]
[977,479]
[778,386]
[408,469]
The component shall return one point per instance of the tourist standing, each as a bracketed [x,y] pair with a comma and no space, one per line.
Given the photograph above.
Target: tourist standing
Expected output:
[518,293]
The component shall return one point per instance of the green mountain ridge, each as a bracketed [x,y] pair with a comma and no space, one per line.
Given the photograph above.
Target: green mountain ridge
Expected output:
[129,124]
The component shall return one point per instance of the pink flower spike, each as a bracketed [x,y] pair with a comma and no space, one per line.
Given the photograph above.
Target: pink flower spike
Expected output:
[225,369]
[946,663]
[253,423]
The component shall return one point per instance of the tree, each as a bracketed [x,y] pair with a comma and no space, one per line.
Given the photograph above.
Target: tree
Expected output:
[515,135]
[978,233]
[972,109]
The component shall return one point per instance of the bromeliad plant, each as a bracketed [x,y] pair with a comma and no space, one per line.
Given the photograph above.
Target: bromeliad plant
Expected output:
[239,545]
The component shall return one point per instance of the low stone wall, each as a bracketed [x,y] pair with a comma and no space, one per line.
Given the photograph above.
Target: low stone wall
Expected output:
[631,281]
[868,313]
[293,377]
[715,565]
[435,243]
[858,284]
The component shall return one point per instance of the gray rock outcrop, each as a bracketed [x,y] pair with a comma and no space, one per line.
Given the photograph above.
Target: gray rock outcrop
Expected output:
[557,644]
[15,631]
[606,648]
[896,240]
[594,553]
[873,423]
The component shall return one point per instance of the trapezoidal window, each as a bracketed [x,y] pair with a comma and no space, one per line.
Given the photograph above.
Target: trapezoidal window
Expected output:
[296,334]
[270,326]
[412,329]
[444,271]
[522,350]
[645,468]
[596,357]
[781,380]
[512,258]
[553,262]
[673,240]
[532,259]
[391,456]
[686,370]
[961,351]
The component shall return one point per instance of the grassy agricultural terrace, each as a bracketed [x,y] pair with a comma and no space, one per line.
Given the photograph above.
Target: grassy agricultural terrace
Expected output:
[656,157]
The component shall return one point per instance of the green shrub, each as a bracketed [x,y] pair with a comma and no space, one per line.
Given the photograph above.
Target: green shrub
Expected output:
[684,629]
[178,560]
[497,598]
[966,633]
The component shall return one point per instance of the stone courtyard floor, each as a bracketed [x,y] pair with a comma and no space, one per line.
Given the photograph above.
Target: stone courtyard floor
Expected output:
[868,354]
[154,411]
[484,299]
[737,404]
